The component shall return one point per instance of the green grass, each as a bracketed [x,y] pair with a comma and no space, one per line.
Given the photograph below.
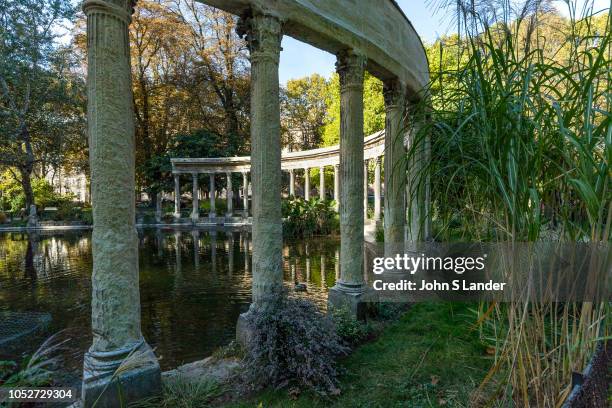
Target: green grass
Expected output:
[431,357]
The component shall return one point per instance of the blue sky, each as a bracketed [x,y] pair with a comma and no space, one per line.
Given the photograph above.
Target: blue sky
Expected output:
[299,59]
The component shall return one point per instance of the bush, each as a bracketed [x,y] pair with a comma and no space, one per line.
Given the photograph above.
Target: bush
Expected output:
[306,218]
[293,344]
[349,329]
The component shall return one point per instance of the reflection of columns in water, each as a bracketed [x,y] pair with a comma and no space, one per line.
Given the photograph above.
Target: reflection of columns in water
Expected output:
[307,268]
[292,268]
[213,250]
[230,253]
[177,252]
[245,247]
[323,283]
[337,264]
[196,248]
[159,242]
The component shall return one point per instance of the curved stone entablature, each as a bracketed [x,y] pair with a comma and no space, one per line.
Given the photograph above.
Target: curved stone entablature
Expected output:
[381,32]
[374,146]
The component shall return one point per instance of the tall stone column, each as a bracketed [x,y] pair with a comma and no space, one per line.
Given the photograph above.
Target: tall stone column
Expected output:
[291,182]
[337,186]
[395,168]
[306,184]
[230,195]
[350,289]
[195,202]
[177,196]
[115,300]
[212,193]
[263,35]
[377,194]
[245,193]
[322,183]
[365,189]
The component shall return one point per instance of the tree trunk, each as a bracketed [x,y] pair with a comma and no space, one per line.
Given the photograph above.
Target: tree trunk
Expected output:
[26,184]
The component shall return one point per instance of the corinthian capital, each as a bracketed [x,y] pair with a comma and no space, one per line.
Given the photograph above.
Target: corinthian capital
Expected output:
[351,68]
[118,8]
[263,34]
[394,93]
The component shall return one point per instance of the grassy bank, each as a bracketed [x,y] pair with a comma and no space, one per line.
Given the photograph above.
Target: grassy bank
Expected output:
[430,357]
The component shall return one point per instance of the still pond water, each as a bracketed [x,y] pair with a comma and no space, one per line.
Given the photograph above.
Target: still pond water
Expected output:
[193,286]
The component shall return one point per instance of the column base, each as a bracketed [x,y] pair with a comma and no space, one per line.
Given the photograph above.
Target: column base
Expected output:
[120,377]
[357,298]
[244,329]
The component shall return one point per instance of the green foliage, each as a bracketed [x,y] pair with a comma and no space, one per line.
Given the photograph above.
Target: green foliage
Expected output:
[292,344]
[306,218]
[13,197]
[350,330]
[36,370]
[183,393]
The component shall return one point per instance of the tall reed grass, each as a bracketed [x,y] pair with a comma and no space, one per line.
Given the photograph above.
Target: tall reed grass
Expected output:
[519,125]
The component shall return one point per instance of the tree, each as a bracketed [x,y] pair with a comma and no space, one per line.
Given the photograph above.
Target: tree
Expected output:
[303,110]
[35,85]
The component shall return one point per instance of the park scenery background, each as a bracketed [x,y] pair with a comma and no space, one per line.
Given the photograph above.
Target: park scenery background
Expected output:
[509,141]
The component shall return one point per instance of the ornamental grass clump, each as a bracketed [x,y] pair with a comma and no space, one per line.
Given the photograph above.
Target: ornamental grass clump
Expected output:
[518,130]
[293,344]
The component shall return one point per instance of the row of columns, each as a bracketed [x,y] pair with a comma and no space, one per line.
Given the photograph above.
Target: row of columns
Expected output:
[195,211]
[115,302]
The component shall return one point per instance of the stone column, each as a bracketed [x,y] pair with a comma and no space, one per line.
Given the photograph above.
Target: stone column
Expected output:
[212,194]
[177,196]
[365,189]
[230,196]
[291,182]
[337,185]
[349,290]
[264,35]
[245,193]
[115,300]
[395,169]
[195,203]
[306,184]
[322,183]
[377,190]
[158,207]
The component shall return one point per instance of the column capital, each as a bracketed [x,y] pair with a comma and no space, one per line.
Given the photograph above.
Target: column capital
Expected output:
[122,9]
[351,69]
[378,160]
[263,34]
[195,174]
[394,93]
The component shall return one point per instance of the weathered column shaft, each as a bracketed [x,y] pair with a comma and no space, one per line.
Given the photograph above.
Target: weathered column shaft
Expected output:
[351,69]
[263,33]
[245,193]
[337,186]
[195,203]
[177,196]
[292,182]
[377,194]
[365,189]
[306,184]
[322,183]
[212,195]
[115,298]
[230,195]
[395,167]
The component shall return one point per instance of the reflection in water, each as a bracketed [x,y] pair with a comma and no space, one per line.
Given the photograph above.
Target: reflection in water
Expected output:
[193,285]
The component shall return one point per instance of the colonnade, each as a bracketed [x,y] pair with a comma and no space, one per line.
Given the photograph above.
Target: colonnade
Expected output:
[109,381]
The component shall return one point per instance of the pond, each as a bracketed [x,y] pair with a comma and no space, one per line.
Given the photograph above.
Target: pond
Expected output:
[193,286]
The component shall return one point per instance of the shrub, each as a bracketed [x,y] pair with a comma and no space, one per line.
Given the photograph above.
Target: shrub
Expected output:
[306,218]
[292,344]
[349,329]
